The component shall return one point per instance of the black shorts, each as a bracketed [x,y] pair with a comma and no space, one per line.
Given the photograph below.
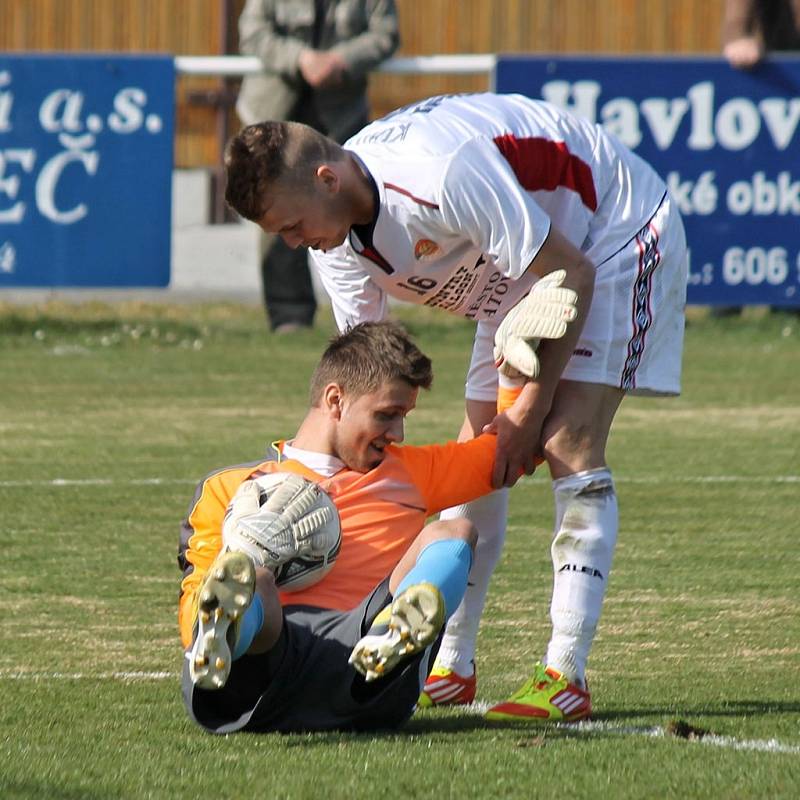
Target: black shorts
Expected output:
[305,683]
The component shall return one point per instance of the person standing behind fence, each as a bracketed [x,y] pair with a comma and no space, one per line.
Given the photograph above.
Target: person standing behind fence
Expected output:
[753,28]
[750,30]
[316,56]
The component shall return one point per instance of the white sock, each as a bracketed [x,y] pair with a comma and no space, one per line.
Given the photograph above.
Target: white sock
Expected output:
[587,521]
[488,514]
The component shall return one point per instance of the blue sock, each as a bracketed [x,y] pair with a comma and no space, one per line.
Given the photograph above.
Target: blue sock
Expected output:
[445,564]
[251,624]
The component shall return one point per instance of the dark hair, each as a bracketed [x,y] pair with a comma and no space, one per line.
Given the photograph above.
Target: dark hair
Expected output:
[267,153]
[369,355]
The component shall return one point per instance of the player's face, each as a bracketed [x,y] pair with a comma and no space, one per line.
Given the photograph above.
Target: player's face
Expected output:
[369,422]
[312,216]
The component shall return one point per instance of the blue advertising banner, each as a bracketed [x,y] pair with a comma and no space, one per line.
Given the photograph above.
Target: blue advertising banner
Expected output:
[727,142]
[85,170]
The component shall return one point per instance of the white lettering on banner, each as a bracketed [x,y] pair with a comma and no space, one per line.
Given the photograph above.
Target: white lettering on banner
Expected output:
[8,257]
[61,111]
[10,186]
[755,266]
[701,101]
[733,126]
[6,102]
[761,196]
[704,277]
[580,97]
[51,173]
[127,116]
[664,116]
[752,266]
[782,117]
[693,197]
[737,124]
[621,117]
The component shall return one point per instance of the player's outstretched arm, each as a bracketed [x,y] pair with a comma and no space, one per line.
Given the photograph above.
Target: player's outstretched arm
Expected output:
[519,428]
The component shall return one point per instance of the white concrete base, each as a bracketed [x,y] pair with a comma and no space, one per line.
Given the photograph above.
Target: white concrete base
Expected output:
[209,262]
[216,261]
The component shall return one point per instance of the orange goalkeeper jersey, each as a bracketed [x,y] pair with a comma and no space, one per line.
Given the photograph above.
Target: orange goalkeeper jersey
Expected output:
[382,511]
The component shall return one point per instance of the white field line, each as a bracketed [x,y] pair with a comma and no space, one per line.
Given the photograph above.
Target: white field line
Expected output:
[474,710]
[58,482]
[656,732]
[645,479]
[126,677]
[762,745]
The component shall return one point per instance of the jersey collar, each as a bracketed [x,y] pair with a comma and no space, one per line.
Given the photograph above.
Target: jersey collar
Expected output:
[361,237]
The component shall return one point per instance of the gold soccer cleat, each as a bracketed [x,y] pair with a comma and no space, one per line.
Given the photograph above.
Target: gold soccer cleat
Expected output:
[228,588]
[417,616]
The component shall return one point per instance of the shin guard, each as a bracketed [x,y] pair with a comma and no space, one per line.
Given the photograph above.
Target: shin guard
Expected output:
[582,550]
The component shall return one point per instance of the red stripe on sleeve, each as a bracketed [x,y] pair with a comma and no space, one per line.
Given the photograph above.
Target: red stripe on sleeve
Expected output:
[416,199]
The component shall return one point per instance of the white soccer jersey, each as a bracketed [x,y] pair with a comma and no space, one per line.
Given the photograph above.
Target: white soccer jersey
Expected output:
[468,186]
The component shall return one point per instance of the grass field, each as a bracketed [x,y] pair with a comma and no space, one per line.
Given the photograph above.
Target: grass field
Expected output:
[108,416]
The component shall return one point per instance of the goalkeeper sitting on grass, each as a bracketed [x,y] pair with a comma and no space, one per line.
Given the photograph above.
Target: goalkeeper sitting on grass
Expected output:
[353,650]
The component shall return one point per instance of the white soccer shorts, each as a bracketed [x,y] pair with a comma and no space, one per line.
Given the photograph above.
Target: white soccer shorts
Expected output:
[633,335]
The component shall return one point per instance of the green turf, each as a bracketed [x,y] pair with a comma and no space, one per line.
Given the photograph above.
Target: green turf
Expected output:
[702,622]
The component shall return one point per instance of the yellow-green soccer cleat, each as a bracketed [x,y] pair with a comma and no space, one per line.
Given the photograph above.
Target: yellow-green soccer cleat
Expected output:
[416,617]
[546,697]
[222,599]
[445,687]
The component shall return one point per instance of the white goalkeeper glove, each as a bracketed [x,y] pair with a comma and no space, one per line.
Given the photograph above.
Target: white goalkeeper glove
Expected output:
[543,313]
[288,525]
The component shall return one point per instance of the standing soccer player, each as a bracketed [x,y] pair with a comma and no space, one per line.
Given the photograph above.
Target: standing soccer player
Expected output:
[466,203]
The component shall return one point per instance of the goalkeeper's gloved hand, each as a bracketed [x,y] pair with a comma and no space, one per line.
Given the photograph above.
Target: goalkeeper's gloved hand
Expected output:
[543,313]
[289,524]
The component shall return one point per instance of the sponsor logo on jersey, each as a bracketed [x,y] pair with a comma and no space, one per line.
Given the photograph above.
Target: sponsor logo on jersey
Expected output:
[491,297]
[456,289]
[425,250]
